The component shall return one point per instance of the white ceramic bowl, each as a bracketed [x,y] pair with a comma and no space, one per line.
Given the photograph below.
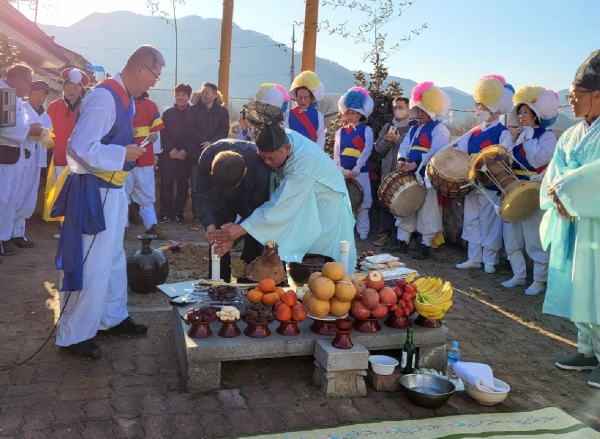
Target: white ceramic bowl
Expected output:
[382,364]
[489,398]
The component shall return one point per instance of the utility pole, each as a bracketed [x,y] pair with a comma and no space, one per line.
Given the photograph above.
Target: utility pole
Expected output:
[309,42]
[36,11]
[176,42]
[225,55]
[292,67]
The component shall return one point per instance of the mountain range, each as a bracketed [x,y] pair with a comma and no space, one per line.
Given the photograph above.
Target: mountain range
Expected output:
[107,39]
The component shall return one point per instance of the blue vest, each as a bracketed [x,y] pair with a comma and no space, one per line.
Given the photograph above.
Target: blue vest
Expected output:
[121,132]
[296,125]
[482,139]
[422,144]
[521,157]
[352,143]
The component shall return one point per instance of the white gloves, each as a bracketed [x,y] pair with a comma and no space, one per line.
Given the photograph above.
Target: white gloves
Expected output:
[46,138]
[427,182]
[526,134]
[536,177]
[497,209]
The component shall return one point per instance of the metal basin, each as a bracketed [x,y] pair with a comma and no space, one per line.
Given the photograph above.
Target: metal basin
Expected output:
[427,390]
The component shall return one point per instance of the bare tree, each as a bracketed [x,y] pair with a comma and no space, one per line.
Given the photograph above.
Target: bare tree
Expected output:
[9,55]
[154,6]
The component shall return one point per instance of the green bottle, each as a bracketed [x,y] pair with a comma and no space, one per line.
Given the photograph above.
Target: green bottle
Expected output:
[407,363]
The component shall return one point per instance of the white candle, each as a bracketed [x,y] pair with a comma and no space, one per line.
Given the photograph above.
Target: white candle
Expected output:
[215,264]
[344,253]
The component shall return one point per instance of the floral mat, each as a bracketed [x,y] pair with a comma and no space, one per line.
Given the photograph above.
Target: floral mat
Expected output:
[549,422]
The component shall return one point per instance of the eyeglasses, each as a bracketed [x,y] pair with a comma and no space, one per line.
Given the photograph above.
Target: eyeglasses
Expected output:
[302,98]
[573,95]
[156,77]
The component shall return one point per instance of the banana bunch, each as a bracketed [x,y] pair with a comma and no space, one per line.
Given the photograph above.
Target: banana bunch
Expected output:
[433,297]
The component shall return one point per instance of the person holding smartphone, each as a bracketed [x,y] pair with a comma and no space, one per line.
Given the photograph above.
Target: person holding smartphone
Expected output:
[391,136]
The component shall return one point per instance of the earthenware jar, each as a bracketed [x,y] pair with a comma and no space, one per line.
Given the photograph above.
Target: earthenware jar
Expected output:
[147,267]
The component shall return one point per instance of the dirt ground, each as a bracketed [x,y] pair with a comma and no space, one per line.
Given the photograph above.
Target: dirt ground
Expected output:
[136,390]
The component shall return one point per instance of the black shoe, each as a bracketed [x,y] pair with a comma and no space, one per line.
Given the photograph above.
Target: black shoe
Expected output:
[134,213]
[164,219]
[179,218]
[21,242]
[7,248]
[126,329]
[421,253]
[84,350]
[396,246]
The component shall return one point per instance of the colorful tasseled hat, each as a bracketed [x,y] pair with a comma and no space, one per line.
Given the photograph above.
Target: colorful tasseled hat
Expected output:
[309,80]
[357,99]
[273,94]
[544,103]
[429,98]
[75,76]
[495,93]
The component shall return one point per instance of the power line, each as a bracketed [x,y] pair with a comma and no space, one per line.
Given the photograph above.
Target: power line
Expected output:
[190,48]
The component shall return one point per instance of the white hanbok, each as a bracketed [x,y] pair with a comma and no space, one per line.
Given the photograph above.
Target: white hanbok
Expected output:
[102,302]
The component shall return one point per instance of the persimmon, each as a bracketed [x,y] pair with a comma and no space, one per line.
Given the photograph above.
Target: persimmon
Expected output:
[267,285]
[255,295]
[270,298]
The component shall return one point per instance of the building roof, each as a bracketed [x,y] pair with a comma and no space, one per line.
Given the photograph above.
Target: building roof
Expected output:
[35,46]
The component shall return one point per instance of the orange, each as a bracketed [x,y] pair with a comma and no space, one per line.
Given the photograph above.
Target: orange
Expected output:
[255,295]
[267,285]
[270,299]
[280,291]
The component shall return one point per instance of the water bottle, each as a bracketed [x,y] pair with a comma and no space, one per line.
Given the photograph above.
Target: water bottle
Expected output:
[453,357]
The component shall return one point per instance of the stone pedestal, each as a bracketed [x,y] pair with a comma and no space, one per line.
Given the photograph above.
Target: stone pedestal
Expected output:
[385,383]
[341,372]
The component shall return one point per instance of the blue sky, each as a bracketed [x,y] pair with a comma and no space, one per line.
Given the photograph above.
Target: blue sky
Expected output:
[527,41]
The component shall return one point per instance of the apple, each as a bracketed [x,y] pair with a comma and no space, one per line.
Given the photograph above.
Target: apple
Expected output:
[359,311]
[360,286]
[387,296]
[375,280]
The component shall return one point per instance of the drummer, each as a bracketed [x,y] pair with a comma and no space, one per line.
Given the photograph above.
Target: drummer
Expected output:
[535,109]
[427,104]
[352,149]
[482,227]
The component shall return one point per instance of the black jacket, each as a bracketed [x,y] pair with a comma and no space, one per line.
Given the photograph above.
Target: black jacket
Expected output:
[255,186]
[205,125]
[176,123]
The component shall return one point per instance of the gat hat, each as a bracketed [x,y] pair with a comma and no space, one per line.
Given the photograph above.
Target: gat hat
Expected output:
[75,76]
[544,103]
[273,94]
[588,73]
[40,85]
[266,122]
[493,92]
[357,99]
[309,80]
[431,99]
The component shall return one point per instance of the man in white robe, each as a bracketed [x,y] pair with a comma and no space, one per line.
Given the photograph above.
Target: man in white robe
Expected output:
[12,155]
[572,222]
[100,153]
[309,211]
[36,158]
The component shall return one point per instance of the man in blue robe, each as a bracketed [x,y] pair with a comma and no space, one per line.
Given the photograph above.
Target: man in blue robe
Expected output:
[572,222]
[309,210]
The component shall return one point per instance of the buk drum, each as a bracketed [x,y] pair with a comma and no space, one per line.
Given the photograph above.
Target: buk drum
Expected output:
[355,192]
[401,193]
[520,198]
[448,172]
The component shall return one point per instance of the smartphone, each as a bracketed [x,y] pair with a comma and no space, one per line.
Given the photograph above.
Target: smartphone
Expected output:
[392,130]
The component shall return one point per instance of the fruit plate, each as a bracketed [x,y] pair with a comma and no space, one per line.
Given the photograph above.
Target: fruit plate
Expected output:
[327,318]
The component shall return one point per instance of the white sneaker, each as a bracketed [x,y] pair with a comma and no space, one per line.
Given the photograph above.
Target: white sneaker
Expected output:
[514,282]
[536,287]
[57,236]
[489,268]
[469,264]
[363,236]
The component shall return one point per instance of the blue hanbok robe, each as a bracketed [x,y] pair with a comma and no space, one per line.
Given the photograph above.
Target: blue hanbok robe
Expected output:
[310,211]
[573,289]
